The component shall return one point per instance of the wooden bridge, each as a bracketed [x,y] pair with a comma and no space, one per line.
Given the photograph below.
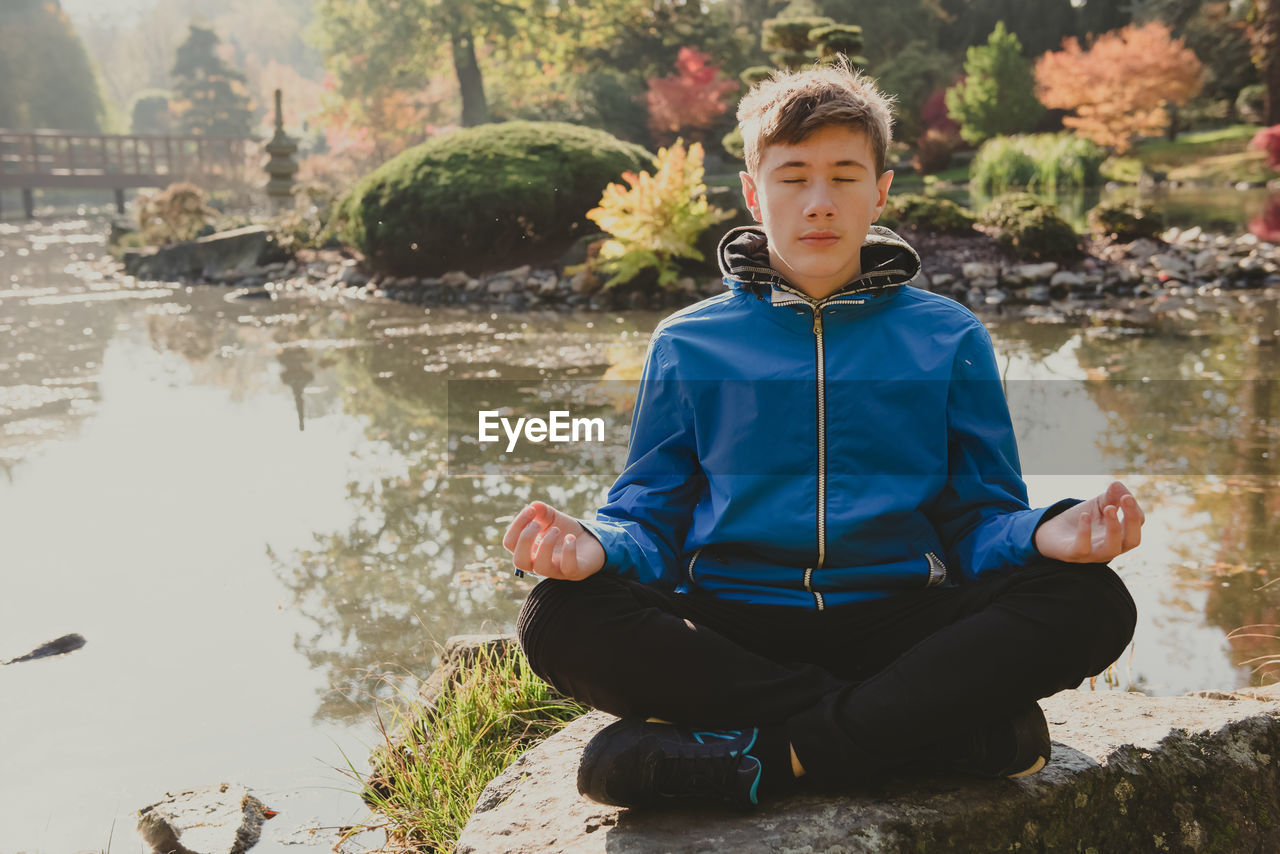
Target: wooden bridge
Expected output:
[31,160]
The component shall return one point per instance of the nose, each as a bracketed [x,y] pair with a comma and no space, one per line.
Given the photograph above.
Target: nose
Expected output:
[819,204]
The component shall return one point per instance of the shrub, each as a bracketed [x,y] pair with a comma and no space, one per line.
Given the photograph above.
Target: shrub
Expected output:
[1268,140]
[1126,170]
[493,195]
[933,150]
[690,100]
[176,213]
[1125,220]
[657,220]
[150,112]
[995,97]
[304,226]
[1251,102]
[1044,161]
[733,145]
[927,213]
[1030,228]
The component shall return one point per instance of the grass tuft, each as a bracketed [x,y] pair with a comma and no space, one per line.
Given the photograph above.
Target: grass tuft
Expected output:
[436,758]
[1042,162]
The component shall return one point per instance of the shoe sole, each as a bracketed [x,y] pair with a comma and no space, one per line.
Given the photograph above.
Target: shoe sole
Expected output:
[593,759]
[1035,768]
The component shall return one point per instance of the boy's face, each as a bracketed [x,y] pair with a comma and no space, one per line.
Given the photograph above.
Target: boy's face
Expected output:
[816,201]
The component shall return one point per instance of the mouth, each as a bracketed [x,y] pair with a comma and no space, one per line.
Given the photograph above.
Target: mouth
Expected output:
[819,240]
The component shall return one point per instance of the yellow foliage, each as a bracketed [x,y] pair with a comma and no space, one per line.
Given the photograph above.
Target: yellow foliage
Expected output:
[657,218]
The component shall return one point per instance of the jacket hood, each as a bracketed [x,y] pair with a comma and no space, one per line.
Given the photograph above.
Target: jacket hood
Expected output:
[888,263]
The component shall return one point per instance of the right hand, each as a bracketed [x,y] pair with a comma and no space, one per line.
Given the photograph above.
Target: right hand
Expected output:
[546,542]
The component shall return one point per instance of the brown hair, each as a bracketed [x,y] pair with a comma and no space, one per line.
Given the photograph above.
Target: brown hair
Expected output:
[790,106]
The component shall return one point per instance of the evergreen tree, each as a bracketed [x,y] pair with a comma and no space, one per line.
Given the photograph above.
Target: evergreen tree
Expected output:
[997,95]
[209,96]
[46,79]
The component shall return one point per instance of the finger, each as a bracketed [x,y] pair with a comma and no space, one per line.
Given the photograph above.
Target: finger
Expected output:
[1084,535]
[1136,510]
[1113,539]
[543,559]
[569,558]
[1132,523]
[543,512]
[516,526]
[522,554]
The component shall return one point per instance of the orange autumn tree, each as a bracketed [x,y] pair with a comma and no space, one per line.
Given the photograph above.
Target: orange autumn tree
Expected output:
[1119,86]
[689,101]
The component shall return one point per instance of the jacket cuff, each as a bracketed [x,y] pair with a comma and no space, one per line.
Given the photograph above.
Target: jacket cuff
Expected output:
[612,539]
[1047,514]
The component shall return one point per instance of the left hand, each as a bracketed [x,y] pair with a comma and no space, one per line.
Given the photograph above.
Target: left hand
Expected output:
[1095,531]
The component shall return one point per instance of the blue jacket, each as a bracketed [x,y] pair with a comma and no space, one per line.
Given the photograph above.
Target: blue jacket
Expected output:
[793,452]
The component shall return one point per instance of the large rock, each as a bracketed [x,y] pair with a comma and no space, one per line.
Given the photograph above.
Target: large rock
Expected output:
[236,251]
[1129,773]
[221,819]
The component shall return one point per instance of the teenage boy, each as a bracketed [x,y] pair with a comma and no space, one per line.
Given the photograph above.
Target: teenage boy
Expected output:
[819,560]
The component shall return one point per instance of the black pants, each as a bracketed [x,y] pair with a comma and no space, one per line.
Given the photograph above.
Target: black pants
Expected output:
[857,688]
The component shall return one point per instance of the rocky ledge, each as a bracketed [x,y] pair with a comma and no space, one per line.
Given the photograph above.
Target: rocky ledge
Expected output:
[1130,773]
[1170,274]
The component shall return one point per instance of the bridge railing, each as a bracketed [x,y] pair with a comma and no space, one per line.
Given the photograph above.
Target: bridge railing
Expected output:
[59,159]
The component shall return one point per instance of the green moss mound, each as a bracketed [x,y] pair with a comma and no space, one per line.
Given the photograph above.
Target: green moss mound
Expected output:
[1030,228]
[926,213]
[1125,220]
[484,198]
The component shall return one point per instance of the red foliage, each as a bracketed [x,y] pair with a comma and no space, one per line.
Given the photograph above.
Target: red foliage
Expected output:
[1268,140]
[1267,224]
[688,102]
[933,115]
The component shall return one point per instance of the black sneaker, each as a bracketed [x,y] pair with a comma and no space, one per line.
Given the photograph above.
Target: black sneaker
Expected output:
[634,763]
[1011,747]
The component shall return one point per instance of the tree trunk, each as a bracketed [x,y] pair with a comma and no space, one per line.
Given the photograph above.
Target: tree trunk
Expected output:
[475,108]
[1266,52]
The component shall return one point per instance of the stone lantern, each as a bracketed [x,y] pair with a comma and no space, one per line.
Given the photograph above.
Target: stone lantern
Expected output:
[281,167]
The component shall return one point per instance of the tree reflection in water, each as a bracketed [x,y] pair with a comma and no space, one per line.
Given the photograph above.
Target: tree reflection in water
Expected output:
[1193,402]
[421,558]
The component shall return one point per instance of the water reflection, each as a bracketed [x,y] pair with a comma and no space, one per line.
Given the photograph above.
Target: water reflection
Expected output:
[416,556]
[419,559]
[1196,405]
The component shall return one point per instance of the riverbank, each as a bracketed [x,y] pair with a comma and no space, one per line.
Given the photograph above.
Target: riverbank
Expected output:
[1131,283]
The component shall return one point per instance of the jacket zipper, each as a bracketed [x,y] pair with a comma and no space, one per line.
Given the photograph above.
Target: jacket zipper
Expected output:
[816,307]
[689,570]
[822,454]
[937,570]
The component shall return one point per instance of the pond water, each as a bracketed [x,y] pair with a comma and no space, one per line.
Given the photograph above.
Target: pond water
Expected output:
[262,515]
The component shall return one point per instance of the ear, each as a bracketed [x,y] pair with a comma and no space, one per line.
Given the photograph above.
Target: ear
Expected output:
[882,192]
[750,195]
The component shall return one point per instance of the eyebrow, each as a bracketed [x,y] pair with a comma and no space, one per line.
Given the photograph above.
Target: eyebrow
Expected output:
[791,164]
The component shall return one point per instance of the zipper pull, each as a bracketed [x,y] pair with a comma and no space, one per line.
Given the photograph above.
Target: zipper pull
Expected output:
[817,321]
